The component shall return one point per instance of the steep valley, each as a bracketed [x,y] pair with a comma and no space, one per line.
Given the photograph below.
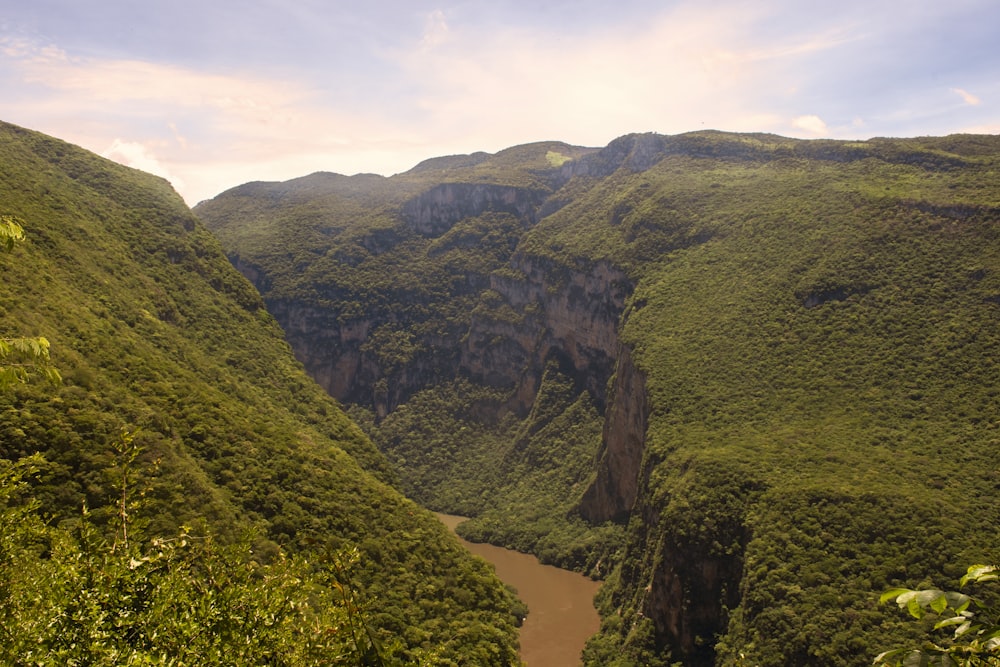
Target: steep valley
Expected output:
[749,381]
[187,494]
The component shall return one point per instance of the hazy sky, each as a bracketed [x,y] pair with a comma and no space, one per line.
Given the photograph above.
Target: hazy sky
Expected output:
[214,93]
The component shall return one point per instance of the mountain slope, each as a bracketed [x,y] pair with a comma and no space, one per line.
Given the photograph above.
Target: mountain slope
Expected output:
[769,362]
[379,285]
[154,330]
[819,368]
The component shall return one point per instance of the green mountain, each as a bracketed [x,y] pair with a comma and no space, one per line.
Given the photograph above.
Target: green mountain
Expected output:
[156,334]
[749,380]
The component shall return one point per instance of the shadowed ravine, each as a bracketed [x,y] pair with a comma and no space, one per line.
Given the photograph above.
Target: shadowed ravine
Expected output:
[749,379]
[561,611]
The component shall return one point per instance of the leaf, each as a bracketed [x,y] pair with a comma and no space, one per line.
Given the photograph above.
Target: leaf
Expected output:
[956,600]
[893,593]
[891,656]
[962,629]
[980,573]
[916,659]
[10,232]
[929,597]
[948,622]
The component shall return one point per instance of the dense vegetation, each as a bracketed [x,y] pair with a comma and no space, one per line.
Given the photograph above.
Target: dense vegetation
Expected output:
[333,253]
[519,478]
[262,519]
[815,323]
[830,342]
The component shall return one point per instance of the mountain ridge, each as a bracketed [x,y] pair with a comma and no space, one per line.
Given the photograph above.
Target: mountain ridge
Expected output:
[795,323]
[156,333]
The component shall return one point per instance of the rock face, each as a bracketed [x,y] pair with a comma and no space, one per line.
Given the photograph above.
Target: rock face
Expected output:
[685,558]
[329,349]
[526,312]
[435,212]
[532,320]
[613,493]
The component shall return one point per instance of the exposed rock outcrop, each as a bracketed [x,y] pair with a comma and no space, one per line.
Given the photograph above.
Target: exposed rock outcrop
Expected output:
[334,351]
[543,311]
[435,212]
[636,152]
[611,496]
[535,310]
[684,560]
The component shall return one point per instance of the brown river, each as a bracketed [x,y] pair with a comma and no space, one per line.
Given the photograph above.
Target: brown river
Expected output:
[561,614]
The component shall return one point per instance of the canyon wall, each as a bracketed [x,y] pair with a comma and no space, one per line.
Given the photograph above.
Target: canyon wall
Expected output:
[530,317]
[612,494]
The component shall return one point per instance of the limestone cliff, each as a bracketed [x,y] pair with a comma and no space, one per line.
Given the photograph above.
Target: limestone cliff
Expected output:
[538,311]
[612,494]
[434,212]
[684,558]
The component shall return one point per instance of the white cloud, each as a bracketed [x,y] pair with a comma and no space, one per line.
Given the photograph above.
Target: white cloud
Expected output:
[98,83]
[967,97]
[812,124]
[140,156]
[685,69]
[988,128]
[435,30]
[178,137]
[203,131]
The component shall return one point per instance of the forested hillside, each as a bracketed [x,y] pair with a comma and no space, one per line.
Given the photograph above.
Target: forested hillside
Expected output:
[749,380]
[199,499]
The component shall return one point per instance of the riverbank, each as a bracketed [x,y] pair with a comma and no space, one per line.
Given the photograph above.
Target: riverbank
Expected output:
[561,614]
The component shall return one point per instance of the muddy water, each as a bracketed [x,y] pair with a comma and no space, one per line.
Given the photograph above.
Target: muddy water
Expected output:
[560,603]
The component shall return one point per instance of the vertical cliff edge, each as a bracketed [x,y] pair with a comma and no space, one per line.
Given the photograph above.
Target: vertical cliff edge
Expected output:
[746,378]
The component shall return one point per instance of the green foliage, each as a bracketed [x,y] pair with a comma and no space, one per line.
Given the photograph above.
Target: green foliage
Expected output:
[519,479]
[546,467]
[160,333]
[19,357]
[973,623]
[816,323]
[557,159]
[70,597]
[11,231]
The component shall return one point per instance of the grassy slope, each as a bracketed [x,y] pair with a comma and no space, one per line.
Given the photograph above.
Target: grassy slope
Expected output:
[153,329]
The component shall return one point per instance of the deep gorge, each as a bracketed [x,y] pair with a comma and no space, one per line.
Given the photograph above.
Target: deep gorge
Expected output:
[625,359]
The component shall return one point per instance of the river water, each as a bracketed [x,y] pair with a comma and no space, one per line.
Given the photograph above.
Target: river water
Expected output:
[561,614]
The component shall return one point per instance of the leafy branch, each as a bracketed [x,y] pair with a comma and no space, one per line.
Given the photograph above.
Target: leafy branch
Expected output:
[11,232]
[975,640]
[19,357]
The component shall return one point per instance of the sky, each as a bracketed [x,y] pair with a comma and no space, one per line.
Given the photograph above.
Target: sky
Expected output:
[211,94]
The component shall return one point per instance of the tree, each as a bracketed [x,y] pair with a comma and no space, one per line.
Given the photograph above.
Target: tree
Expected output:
[20,357]
[11,232]
[975,640]
[69,595]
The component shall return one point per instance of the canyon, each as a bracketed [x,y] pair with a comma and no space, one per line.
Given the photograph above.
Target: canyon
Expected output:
[623,359]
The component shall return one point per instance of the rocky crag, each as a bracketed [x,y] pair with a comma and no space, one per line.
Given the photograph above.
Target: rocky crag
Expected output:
[735,366]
